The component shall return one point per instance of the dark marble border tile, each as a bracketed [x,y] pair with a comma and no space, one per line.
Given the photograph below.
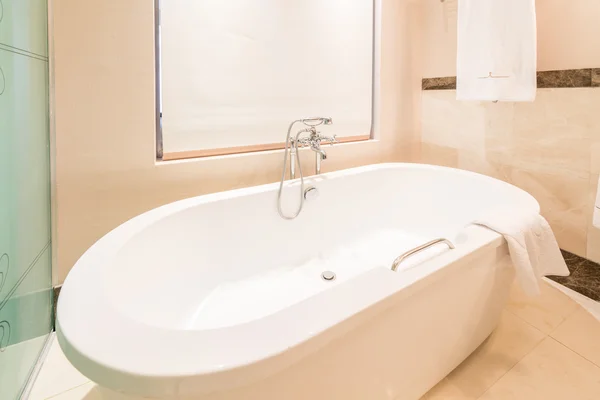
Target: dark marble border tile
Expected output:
[445,83]
[595,77]
[568,78]
[584,278]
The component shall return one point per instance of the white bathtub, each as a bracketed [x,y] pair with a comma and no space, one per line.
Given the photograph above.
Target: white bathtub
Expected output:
[217,297]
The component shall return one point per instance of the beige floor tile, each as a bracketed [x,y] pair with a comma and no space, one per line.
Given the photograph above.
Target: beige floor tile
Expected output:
[544,312]
[591,306]
[506,346]
[15,363]
[446,390]
[581,333]
[56,376]
[550,372]
[91,391]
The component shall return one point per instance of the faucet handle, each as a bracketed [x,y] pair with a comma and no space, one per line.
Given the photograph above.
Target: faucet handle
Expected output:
[303,142]
[330,139]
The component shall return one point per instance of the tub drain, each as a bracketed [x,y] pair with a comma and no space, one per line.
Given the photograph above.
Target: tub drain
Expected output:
[328,276]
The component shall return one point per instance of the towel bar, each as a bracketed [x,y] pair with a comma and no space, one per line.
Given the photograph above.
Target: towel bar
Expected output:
[416,250]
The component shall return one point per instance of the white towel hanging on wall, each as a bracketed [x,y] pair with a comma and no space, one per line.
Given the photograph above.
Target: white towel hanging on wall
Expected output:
[497,45]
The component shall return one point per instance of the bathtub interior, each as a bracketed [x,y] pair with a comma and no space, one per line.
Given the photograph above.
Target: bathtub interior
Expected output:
[229,261]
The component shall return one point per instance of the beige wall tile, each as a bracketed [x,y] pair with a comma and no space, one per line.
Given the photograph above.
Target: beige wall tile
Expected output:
[593,244]
[563,200]
[438,155]
[476,136]
[545,312]
[506,346]
[486,164]
[554,133]
[595,151]
[410,153]
[542,147]
[446,122]
[550,372]
[500,131]
[595,143]
[593,233]
[581,333]
[478,127]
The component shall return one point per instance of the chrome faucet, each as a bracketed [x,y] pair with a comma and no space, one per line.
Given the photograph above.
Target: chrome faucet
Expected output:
[292,144]
[313,141]
[316,147]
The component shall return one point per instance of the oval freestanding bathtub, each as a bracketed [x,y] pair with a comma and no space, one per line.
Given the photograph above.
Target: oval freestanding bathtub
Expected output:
[217,297]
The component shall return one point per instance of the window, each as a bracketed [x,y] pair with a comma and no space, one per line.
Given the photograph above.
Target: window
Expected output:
[234,73]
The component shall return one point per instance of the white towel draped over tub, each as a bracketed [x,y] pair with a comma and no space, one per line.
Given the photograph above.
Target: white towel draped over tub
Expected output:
[496,57]
[531,243]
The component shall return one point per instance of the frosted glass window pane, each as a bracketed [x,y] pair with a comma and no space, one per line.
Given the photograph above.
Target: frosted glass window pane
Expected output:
[237,72]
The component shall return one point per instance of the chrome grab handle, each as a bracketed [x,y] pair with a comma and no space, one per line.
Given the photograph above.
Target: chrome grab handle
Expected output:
[416,250]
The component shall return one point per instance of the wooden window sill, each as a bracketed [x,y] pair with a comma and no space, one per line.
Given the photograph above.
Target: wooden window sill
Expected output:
[181,155]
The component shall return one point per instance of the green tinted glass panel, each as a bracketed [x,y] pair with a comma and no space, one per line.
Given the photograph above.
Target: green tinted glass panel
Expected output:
[25,257]
[24,25]
[25,321]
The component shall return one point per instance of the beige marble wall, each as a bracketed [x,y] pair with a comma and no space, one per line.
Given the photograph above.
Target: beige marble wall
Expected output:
[550,148]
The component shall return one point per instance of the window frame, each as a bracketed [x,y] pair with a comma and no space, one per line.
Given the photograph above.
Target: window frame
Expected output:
[227,151]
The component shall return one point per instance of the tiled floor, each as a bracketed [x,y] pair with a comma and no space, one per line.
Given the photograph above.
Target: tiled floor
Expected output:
[545,348]
[56,377]
[590,305]
[22,354]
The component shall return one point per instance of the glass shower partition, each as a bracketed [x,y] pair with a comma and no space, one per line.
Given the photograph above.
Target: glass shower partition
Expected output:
[25,240]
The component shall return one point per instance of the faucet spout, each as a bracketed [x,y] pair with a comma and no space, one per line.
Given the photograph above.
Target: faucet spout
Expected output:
[317,149]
